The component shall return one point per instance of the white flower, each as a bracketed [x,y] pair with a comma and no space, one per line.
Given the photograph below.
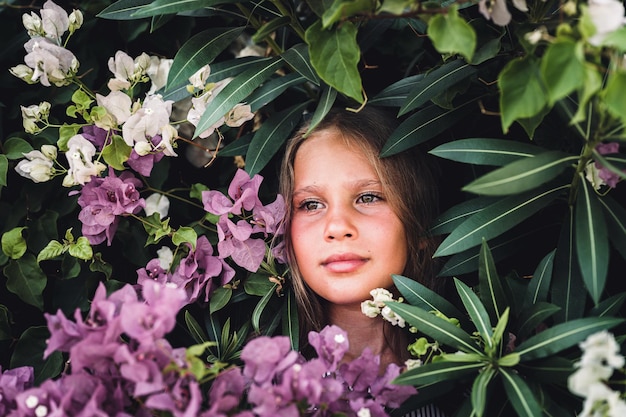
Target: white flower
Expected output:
[251,50]
[55,21]
[32,23]
[495,10]
[76,20]
[158,71]
[412,363]
[166,257]
[380,295]
[602,401]
[370,308]
[601,349]
[364,412]
[34,114]
[238,115]
[391,317]
[37,166]
[607,16]
[157,203]
[592,174]
[198,79]
[50,63]
[118,105]
[148,121]
[143,148]
[80,158]
[23,72]
[126,70]
[168,134]
[50,151]
[582,380]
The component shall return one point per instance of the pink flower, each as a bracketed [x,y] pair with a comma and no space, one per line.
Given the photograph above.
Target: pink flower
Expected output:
[103,201]
[235,241]
[607,176]
[243,192]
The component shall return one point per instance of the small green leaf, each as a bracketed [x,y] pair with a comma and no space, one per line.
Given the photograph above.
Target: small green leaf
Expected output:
[258,284]
[451,34]
[52,250]
[81,249]
[26,280]
[562,68]
[196,190]
[13,243]
[522,92]
[185,235]
[15,148]
[540,283]
[260,307]
[194,328]
[520,395]
[4,166]
[116,153]
[480,389]
[268,28]
[613,94]
[341,9]
[326,101]
[219,298]
[335,55]
[522,175]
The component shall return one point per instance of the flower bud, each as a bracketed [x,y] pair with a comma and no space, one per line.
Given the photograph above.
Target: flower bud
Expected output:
[143,148]
[76,20]
[33,24]
[23,72]
[50,151]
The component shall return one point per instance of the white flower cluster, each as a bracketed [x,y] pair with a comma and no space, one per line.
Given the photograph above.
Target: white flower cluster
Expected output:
[599,360]
[376,306]
[607,16]
[38,165]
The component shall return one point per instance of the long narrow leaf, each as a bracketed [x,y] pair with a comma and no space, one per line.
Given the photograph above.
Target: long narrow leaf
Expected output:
[423,297]
[615,216]
[439,329]
[555,369]
[532,316]
[521,175]
[567,288]
[291,327]
[609,307]
[437,372]
[123,9]
[592,243]
[436,82]
[272,89]
[422,126]
[214,331]
[260,307]
[540,283]
[520,395]
[395,94]
[476,311]
[497,219]
[451,218]
[563,336]
[236,91]
[161,7]
[486,151]
[480,390]
[199,51]
[270,137]
[326,101]
[297,57]
[195,329]
[491,291]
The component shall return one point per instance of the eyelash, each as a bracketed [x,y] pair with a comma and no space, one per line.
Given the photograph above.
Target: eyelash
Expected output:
[304,205]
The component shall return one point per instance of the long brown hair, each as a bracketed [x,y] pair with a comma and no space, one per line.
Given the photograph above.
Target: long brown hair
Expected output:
[408,185]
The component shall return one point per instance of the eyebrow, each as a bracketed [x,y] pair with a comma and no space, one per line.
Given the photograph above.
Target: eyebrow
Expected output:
[356,184]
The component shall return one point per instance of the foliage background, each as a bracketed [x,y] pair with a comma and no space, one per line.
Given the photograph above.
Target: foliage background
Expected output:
[393,48]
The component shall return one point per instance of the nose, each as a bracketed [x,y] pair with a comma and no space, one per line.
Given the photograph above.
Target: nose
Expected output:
[339,225]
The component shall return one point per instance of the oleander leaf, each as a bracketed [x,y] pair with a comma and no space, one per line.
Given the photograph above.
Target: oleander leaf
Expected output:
[486,151]
[520,395]
[435,372]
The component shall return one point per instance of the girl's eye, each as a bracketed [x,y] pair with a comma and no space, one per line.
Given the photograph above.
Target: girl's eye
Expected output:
[369,198]
[310,205]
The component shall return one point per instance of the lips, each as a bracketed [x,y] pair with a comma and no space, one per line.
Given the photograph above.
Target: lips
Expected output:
[343,263]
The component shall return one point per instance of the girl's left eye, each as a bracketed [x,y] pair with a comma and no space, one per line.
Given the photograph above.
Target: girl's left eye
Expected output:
[369,198]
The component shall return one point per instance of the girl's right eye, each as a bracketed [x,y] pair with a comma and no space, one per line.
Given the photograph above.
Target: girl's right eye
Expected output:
[310,205]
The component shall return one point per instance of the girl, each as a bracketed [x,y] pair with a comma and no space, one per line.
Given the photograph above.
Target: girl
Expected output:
[353,220]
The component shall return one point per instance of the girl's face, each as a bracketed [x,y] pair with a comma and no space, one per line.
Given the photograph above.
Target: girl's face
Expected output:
[346,238]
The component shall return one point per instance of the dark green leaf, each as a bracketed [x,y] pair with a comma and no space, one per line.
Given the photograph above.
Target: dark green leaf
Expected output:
[480,389]
[522,175]
[326,101]
[260,307]
[15,148]
[194,328]
[123,9]
[592,243]
[26,280]
[436,82]
[291,326]
[485,151]
[298,58]
[563,336]
[29,350]
[554,369]
[199,51]
[540,283]
[272,89]
[5,323]
[4,166]
[270,137]
[534,315]
[420,127]
[220,297]
[451,218]
[520,395]
[497,219]
[477,312]
[437,372]
[615,216]
[268,28]
[490,288]
[161,7]
[258,284]
[395,94]
[238,147]
[236,91]
[335,55]
[609,307]
[435,327]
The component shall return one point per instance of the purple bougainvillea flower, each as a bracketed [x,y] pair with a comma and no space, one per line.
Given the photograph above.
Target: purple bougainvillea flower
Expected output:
[143,164]
[265,356]
[226,392]
[330,344]
[12,382]
[269,219]
[183,399]
[235,241]
[243,192]
[95,135]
